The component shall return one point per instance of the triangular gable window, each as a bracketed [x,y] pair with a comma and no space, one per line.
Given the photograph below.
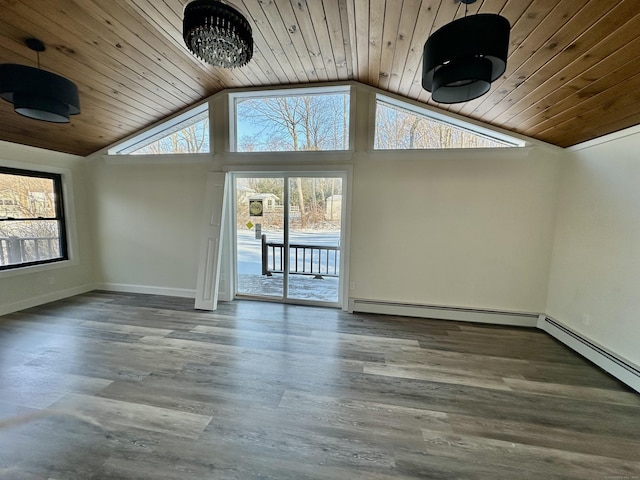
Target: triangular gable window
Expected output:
[404,127]
[184,134]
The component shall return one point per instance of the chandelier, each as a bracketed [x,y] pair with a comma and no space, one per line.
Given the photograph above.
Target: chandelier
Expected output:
[36,93]
[217,33]
[462,58]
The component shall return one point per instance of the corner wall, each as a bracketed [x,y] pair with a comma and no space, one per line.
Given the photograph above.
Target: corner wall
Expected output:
[41,284]
[594,284]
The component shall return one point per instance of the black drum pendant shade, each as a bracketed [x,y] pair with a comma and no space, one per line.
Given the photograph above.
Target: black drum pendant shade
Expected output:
[462,58]
[38,94]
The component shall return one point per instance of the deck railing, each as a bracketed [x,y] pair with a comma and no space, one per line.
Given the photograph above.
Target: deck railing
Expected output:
[17,250]
[318,261]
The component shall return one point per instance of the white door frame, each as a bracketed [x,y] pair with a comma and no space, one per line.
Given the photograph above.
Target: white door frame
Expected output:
[286,172]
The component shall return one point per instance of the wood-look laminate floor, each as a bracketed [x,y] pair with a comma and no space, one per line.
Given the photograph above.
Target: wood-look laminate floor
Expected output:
[119,386]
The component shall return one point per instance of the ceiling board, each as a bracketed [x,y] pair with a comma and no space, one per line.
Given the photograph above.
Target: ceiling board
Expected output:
[573,70]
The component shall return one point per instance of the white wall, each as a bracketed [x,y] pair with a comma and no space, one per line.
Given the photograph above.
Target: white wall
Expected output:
[468,229]
[40,284]
[594,285]
[465,228]
[147,224]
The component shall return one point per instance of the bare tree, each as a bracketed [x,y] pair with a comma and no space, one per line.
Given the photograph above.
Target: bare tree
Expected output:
[301,122]
[397,128]
[192,138]
[295,123]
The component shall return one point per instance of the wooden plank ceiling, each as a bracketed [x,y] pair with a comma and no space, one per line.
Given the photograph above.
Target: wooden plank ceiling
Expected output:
[573,71]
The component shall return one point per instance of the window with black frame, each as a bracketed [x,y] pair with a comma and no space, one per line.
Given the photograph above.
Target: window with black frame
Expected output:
[32,226]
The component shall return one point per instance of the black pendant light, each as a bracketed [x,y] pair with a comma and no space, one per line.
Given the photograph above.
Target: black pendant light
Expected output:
[36,93]
[462,58]
[217,33]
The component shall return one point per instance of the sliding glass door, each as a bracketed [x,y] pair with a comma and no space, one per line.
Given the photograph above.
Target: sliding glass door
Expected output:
[288,237]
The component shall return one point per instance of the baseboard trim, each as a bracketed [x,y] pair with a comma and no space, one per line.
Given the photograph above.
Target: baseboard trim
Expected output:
[146,289]
[439,312]
[620,368]
[613,364]
[47,298]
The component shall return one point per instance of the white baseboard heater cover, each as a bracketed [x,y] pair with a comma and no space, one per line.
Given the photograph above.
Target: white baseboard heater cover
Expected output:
[620,368]
[496,317]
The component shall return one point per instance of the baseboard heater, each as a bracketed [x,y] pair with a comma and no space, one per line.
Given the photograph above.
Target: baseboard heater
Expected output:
[496,317]
[620,368]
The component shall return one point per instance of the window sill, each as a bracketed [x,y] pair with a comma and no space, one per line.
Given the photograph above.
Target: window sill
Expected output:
[31,269]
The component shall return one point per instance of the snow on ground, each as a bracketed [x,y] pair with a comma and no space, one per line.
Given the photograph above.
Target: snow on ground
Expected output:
[252,282]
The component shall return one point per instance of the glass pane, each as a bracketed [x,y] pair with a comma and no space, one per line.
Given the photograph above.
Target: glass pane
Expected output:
[29,241]
[182,134]
[260,236]
[26,197]
[401,129]
[315,213]
[192,137]
[311,122]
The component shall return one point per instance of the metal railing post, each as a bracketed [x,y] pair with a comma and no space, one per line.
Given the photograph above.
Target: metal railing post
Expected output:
[14,250]
[265,256]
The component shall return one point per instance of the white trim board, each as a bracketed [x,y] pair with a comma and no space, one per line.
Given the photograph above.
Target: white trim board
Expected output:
[146,289]
[605,138]
[47,298]
[439,312]
[618,367]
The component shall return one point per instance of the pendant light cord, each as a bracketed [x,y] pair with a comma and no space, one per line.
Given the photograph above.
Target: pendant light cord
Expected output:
[37,46]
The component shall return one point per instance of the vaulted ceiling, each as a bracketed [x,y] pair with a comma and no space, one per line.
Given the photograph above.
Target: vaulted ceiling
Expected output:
[573,71]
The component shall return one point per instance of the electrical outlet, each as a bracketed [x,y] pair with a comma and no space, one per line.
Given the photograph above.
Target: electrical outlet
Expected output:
[352,285]
[586,318]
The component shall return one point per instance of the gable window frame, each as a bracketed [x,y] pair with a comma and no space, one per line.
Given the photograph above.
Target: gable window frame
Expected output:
[235,97]
[163,129]
[508,141]
[60,217]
